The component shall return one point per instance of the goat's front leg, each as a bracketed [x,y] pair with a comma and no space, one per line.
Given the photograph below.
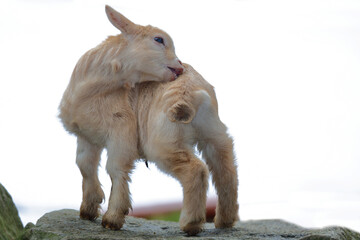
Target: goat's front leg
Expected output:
[122,152]
[193,175]
[87,159]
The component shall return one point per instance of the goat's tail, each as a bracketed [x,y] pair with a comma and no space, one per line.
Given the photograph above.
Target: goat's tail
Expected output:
[184,109]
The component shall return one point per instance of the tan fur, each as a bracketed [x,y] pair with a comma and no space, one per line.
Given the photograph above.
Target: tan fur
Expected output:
[158,121]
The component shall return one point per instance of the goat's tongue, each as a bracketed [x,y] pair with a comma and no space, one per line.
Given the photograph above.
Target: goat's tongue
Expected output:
[175,72]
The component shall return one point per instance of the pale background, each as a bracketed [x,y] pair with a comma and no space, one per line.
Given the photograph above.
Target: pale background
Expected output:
[287,77]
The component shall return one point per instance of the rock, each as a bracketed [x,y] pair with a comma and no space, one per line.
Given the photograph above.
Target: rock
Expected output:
[10,223]
[66,224]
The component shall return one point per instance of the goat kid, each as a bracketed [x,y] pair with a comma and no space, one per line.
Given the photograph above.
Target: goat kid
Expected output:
[160,122]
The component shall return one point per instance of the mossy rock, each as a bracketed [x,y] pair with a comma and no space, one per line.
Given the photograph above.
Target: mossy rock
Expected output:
[10,223]
[66,224]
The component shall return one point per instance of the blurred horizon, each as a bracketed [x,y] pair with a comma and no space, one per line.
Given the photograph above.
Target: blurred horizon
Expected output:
[287,79]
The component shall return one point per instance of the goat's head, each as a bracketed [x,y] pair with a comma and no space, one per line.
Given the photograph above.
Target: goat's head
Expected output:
[151,49]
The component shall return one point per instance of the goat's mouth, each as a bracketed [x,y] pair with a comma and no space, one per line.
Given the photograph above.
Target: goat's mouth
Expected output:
[176,72]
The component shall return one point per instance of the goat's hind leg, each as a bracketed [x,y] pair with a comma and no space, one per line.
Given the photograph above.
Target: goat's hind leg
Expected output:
[87,159]
[217,149]
[193,175]
[218,153]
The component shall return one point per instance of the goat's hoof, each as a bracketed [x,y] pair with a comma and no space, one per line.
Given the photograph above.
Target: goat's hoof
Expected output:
[89,211]
[88,216]
[113,223]
[224,224]
[192,229]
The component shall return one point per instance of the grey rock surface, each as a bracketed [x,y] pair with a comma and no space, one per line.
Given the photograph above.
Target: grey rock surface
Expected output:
[66,224]
[10,223]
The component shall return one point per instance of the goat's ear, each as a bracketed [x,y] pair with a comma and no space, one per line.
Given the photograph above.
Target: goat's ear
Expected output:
[119,21]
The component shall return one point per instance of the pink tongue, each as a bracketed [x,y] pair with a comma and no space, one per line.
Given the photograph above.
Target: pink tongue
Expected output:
[174,70]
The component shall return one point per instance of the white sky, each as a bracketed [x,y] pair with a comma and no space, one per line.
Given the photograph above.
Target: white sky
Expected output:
[287,77]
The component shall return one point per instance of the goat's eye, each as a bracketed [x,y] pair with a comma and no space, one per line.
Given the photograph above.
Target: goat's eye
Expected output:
[159,40]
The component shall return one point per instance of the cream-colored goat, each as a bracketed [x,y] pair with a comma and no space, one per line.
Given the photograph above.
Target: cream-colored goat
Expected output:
[157,121]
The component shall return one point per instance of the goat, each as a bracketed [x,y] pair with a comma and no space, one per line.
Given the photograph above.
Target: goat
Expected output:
[122,97]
